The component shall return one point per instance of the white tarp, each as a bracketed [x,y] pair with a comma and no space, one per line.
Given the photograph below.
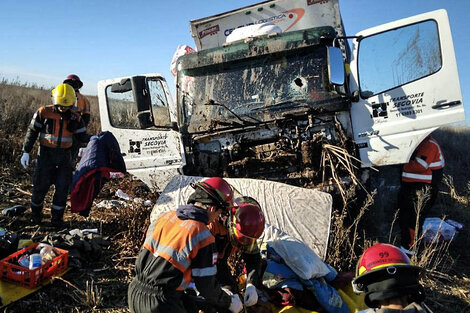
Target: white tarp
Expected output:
[302,213]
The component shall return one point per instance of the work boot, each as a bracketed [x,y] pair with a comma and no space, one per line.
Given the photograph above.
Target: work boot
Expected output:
[36,215]
[57,218]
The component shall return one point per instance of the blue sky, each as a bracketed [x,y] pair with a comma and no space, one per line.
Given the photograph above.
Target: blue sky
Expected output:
[44,41]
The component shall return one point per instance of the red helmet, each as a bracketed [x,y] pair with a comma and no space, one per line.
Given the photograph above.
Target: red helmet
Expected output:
[379,262]
[247,223]
[74,81]
[218,189]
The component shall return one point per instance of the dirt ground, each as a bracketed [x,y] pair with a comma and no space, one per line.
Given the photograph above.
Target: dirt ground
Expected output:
[101,284]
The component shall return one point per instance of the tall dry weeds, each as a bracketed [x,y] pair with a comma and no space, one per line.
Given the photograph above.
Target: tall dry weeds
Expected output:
[347,239]
[18,102]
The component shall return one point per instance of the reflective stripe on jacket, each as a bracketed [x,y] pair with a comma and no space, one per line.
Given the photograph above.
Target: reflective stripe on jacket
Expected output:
[178,241]
[55,128]
[427,157]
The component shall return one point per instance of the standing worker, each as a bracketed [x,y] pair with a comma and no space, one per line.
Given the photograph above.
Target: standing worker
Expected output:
[82,105]
[389,281]
[423,170]
[179,248]
[55,125]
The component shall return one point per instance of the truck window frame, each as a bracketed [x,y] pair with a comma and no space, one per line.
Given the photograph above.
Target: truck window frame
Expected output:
[408,82]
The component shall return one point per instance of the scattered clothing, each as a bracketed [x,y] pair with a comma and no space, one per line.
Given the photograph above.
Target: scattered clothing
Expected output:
[101,157]
[285,287]
[16,210]
[82,247]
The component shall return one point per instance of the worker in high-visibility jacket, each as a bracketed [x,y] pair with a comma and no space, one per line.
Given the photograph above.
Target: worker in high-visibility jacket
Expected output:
[55,125]
[423,170]
[82,107]
[238,233]
[179,248]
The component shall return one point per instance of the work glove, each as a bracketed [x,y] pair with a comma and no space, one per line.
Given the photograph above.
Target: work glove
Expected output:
[236,304]
[251,295]
[25,160]
[81,151]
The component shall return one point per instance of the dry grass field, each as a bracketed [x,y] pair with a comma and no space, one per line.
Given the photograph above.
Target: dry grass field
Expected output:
[101,284]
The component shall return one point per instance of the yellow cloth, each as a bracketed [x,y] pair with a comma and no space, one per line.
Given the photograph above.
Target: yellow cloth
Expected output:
[10,292]
[354,302]
[290,309]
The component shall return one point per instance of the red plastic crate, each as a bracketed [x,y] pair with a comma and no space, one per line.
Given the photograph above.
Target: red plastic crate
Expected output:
[11,272]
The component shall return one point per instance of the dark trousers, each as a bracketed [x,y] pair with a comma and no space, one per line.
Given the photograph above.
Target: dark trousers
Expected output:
[143,298]
[54,167]
[407,204]
[146,299]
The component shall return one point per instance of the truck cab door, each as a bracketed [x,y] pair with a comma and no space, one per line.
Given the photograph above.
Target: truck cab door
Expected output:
[140,113]
[406,85]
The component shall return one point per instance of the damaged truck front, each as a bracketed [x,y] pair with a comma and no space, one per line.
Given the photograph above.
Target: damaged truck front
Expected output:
[261,108]
[290,105]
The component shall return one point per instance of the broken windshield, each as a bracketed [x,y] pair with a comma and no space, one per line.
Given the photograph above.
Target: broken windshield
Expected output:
[258,89]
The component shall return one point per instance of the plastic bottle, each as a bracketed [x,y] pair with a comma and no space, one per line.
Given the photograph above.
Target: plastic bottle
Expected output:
[24,261]
[47,254]
[121,194]
[35,261]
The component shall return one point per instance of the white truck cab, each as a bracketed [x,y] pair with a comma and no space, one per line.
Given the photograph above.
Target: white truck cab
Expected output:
[264,107]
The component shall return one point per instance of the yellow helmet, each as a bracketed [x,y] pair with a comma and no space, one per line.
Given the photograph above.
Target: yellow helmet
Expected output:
[64,95]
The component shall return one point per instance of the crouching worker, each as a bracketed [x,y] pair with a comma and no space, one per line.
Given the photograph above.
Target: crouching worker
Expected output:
[237,232]
[55,125]
[179,248]
[390,283]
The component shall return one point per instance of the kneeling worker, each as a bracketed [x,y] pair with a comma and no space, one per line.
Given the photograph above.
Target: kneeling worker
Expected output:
[179,248]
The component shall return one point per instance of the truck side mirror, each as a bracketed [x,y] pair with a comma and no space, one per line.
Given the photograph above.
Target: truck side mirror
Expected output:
[336,66]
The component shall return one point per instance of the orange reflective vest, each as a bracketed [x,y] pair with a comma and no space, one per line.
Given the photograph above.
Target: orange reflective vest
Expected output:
[428,157]
[177,241]
[83,104]
[56,129]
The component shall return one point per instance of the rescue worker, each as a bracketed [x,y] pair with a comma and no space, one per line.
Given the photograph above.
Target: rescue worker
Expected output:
[238,232]
[82,106]
[179,247]
[55,125]
[389,280]
[423,170]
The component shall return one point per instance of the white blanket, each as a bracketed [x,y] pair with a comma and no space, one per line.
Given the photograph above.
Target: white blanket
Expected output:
[301,213]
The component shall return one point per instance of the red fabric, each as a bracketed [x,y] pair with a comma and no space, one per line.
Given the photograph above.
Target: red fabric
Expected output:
[83,193]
